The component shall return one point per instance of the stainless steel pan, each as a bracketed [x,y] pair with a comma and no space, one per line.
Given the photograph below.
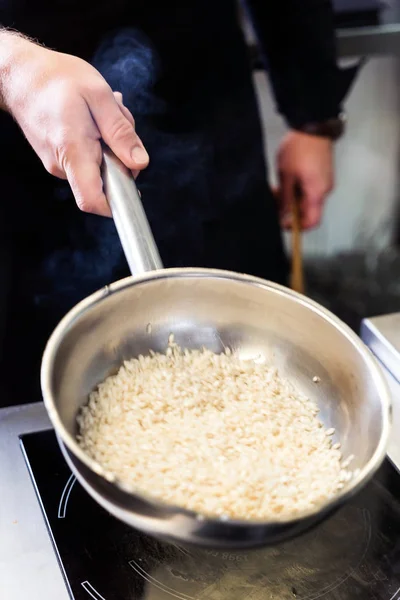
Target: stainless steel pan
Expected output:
[204,307]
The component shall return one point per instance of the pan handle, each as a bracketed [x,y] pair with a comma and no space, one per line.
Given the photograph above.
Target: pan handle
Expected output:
[129,216]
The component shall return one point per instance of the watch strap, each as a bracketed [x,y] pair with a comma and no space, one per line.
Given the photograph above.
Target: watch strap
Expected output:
[331,128]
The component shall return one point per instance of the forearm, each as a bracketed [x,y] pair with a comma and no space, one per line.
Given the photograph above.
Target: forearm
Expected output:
[298,39]
[14,50]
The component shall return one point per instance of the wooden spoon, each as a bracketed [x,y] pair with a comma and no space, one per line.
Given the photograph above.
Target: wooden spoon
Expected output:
[297,272]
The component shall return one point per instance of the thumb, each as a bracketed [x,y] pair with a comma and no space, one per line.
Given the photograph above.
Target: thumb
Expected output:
[125,111]
[118,131]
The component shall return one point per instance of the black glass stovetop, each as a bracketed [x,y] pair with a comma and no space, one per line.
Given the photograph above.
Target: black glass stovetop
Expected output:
[354,555]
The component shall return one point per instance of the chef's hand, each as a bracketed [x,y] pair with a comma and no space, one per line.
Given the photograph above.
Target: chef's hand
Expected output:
[305,163]
[64,107]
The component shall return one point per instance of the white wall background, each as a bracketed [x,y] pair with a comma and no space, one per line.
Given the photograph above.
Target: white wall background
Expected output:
[361,211]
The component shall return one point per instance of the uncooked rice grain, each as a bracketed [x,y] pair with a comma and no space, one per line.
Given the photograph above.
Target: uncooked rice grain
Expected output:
[213,433]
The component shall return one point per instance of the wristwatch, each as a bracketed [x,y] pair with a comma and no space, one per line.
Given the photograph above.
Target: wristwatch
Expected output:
[331,128]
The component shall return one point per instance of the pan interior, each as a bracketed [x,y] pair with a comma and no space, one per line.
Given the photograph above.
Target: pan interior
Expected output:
[256,320]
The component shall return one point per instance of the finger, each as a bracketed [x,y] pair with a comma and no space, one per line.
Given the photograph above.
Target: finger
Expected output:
[82,168]
[313,196]
[312,216]
[117,130]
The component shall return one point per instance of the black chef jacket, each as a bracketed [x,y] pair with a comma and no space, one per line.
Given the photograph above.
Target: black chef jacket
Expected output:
[184,73]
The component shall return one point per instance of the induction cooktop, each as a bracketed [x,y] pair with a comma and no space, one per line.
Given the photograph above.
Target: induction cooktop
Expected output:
[353,555]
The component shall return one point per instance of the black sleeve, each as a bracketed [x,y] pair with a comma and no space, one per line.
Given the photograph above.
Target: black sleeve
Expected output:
[297,38]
